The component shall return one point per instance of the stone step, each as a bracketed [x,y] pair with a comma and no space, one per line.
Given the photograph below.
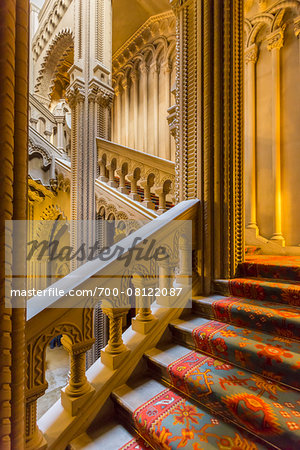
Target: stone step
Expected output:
[273,357]
[229,391]
[270,317]
[112,436]
[169,420]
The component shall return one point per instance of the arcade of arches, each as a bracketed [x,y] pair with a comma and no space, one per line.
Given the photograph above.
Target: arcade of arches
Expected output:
[182,109]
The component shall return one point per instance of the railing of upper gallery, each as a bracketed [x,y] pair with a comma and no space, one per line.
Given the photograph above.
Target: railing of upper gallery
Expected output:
[54,127]
[144,177]
[50,316]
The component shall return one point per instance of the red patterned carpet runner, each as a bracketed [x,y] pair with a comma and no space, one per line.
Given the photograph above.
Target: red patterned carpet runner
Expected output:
[135,444]
[171,421]
[245,369]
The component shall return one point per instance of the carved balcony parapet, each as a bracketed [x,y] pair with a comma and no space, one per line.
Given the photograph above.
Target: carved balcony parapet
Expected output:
[139,169]
[76,327]
[48,317]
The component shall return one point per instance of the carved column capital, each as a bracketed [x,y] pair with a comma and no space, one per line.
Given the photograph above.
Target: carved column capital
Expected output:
[134,76]
[124,83]
[144,67]
[297,26]
[75,94]
[104,98]
[275,40]
[176,4]
[251,54]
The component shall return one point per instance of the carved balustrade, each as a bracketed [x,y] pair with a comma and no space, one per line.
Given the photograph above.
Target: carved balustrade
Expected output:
[72,316]
[138,173]
[54,127]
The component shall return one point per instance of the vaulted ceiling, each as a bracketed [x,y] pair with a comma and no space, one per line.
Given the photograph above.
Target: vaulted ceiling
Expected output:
[129,15]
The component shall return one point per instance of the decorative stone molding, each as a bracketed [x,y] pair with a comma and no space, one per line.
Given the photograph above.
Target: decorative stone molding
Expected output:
[145,35]
[61,43]
[275,39]
[297,26]
[251,54]
[40,151]
[49,20]
[159,170]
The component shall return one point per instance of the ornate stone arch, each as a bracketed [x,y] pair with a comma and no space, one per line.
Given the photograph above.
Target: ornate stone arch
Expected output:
[60,45]
[36,351]
[37,150]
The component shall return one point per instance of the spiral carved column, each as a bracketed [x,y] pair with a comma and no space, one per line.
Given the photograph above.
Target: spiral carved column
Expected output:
[79,390]
[115,351]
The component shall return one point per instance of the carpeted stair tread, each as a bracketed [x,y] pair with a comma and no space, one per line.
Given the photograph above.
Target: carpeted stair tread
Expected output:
[167,419]
[271,317]
[281,291]
[261,406]
[271,356]
[270,266]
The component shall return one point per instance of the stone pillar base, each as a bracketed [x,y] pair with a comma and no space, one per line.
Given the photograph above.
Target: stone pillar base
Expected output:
[148,204]
[73,404]
[279,239]
[37,443]
[143,327]
[124,190]
[112,184]
[113,361]
[134,196]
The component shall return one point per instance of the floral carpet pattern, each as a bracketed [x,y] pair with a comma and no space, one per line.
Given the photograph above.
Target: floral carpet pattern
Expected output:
[275,357]
[245,369]
[135,444]
[171,421]
[270,317]
[261,406]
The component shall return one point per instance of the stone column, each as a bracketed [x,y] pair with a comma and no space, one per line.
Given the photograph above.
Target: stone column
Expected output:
[209,142]
[144,83]
[14,17]
[126,110]
[78,390]
[133,187]
[250,144]
[34,437]
[156,70]
[135,87]
[144,320]
[165,90]
[60,120]
[147,201]
[118,116]
[90,94]
[275,42]
[122,177]
[115,351]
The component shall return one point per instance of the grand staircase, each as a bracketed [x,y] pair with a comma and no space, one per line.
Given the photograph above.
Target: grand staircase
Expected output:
[224,376]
